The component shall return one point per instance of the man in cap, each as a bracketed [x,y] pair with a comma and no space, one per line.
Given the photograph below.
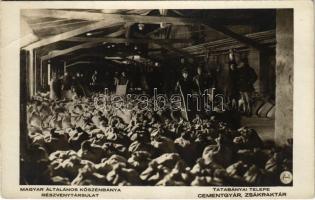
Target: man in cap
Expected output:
[185,83]
[201,81]
[185,86]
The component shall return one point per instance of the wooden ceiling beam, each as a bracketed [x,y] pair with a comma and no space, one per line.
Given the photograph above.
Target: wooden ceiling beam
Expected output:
[157,30]
[43,23]
[259,36]
[57,25]
[117,33]
[85,55]
[123,19]
[175,50]
[167,46]
[79,62]
[241,38]
[82,15]
[56,53]
[80,57]
[63,14]
[87,44]
[124,40]
[72,33]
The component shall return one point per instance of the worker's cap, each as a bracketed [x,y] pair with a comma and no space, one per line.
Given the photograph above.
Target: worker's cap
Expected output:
[184,70]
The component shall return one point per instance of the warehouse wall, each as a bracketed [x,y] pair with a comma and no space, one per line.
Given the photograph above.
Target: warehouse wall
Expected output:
[284,76]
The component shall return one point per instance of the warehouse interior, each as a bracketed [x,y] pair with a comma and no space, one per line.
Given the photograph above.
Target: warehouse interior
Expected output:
[160,43]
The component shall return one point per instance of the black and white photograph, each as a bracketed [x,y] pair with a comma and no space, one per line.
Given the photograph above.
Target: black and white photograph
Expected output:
[156,97]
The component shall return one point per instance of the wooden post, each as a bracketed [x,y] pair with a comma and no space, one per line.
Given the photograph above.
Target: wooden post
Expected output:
[48,73]
[31,74]
[64,67]
[35,72]
[41,74]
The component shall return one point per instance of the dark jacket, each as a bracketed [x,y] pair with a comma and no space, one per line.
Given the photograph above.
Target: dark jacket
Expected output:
[186,85]
[246,78]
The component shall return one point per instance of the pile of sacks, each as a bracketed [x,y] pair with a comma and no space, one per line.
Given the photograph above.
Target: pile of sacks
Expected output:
[75,143]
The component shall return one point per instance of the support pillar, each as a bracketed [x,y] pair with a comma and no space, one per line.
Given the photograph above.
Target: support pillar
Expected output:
[35,71]
[64,67]
[41,74]
[31,77]
[48,73]
[284,76]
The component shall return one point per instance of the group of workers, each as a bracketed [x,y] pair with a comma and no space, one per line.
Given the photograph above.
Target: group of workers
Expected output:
[239,87]
[67,86]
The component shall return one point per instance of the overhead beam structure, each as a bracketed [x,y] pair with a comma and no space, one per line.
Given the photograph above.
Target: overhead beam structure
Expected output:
[108,19]
[59,24]
[72,33]
[241,38]
[175,50]
[103,16]
[123,40]
[157,30]
[75,57]
[48,23]
[56,53]
[87,44]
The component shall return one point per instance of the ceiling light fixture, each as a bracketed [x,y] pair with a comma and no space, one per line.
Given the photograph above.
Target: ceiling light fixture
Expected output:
[163,25]
[163,12]
[141,27]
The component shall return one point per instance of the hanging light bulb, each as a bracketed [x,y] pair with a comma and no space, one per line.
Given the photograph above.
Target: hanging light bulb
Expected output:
[136,48]
[141,27]
[162,24]
[231,55]
[163,12]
